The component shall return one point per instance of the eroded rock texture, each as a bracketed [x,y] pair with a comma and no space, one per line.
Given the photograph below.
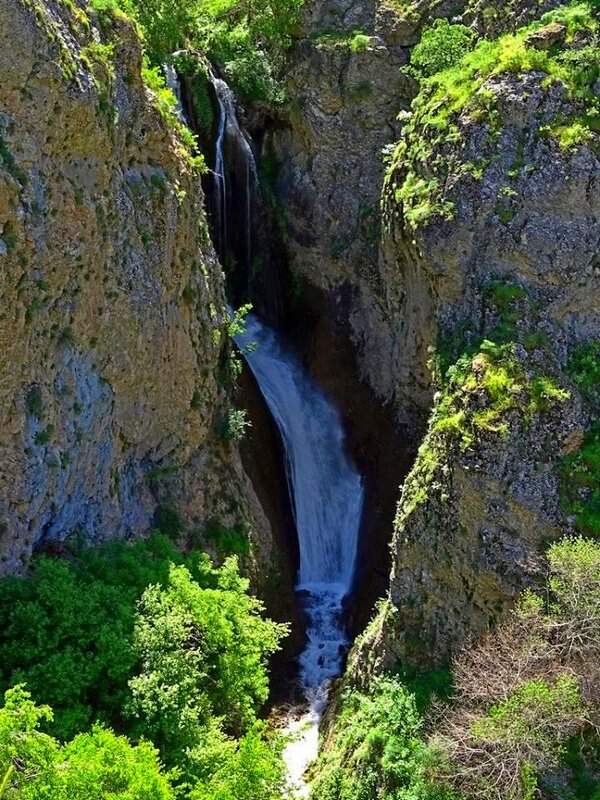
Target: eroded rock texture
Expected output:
[111,318]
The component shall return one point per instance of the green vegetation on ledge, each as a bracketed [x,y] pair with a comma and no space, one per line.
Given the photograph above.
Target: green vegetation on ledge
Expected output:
[580,471]
[247,40]
[417,171]
[522,715]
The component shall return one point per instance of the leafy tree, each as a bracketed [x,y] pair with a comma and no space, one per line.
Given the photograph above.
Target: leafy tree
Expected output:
[252,769]
[24,751]
[203,661]
[66,630]
[94,766]
[247,38]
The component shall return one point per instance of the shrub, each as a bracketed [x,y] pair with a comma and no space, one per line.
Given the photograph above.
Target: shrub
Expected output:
[234,424]
[34,402]
[442,45]
[525,690]
[376,752]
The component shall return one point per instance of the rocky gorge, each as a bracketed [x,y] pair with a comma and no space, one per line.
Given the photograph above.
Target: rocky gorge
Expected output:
[419,223]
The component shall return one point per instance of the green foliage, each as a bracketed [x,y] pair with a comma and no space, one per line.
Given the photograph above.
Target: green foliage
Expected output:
[526,694]
[416,177]
[228,541]
[67,629]
[20,739]
[529,715]
[34,402]
[98,58]
[253,770]
[234,424]
[584,368]
[168,520]
[483,386]
[94,766]
[165,103]
[157,644]
[198,80]
[442,45]
[248,39]
[377,752]
[580,471]
[359,42]
[236,324]
[204,652]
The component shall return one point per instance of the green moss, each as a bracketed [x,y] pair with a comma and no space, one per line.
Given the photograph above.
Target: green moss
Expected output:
[228,541]
[416,176]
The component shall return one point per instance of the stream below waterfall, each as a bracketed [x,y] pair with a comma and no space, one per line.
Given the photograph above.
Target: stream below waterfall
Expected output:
[327,498]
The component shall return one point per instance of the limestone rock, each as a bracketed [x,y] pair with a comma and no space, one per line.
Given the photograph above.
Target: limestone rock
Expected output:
[111,300]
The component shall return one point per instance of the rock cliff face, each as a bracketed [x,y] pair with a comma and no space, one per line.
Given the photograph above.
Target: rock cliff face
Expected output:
[509,287]
[111,321]
[492,268]
[347,91]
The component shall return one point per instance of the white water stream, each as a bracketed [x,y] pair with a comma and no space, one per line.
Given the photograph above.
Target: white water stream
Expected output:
[325,489]
[327,498]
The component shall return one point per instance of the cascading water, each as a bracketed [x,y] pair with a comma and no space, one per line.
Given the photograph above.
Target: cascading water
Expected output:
[325,488]
[327,499]
[233,154]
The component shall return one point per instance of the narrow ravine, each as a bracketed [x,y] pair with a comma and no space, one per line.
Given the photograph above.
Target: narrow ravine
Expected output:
[326,490]
[327,498]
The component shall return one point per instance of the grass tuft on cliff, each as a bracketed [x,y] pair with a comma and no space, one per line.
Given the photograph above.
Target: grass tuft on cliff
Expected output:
[570,56]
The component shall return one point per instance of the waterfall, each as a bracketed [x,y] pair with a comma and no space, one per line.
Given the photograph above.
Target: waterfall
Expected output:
[325,488]
[233,154]
[327,499]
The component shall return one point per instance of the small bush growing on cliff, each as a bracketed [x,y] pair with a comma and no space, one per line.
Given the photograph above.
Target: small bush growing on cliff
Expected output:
[442,45]
[234,424]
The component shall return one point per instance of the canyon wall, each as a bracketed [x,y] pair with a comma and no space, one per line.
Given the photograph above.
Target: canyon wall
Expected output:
[495,269]
[112,323]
